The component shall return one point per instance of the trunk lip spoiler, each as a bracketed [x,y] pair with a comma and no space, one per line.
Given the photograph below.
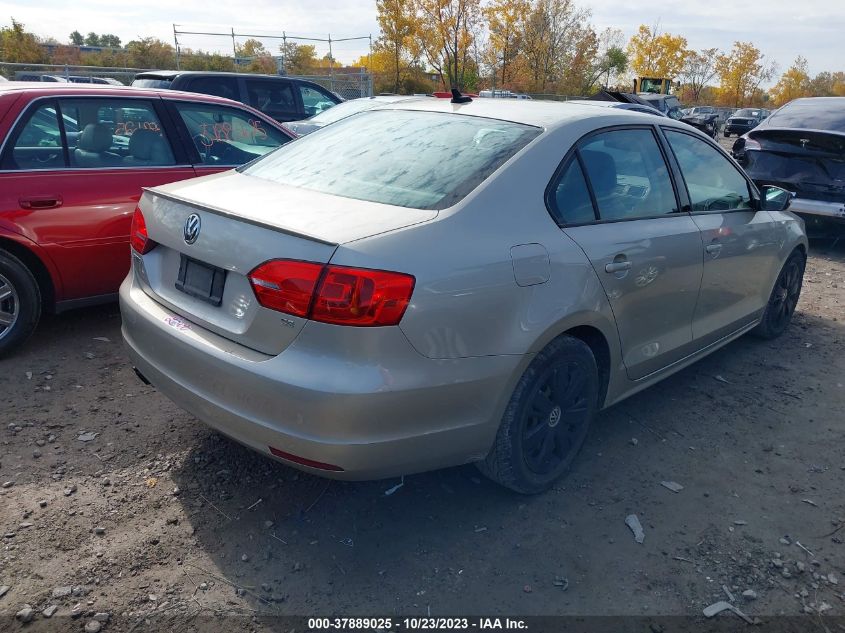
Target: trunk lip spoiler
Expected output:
[234,216]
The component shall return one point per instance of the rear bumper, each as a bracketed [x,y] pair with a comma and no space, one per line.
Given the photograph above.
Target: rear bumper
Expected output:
[362,400]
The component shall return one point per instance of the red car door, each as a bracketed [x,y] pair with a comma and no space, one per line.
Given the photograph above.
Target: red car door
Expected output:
[221,136]
[72,174]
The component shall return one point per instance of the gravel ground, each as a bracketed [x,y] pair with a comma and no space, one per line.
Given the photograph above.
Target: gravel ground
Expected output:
[119,506]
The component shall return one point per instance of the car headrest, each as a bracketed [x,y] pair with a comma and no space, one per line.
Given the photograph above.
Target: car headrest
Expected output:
[601,169]
[96,137]
[144,143]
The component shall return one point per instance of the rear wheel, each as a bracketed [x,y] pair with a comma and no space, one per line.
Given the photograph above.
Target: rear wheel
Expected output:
[547,418]
[20,303]
[783,299]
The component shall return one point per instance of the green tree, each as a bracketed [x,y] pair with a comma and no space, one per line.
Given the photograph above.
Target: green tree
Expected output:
[112,41]
[17,45]
[77,38]
[92,39]
[299,59]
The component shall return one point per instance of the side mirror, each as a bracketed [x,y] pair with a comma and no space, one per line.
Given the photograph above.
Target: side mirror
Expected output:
[775,198]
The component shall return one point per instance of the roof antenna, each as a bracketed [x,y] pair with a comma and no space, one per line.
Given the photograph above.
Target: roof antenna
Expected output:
[457,97]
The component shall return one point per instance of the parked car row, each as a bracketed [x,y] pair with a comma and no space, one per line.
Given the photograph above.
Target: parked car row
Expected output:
[355,303]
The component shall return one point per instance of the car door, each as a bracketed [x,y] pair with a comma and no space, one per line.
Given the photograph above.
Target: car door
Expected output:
[74,173]
[615,198]
[741,248]
[221,137]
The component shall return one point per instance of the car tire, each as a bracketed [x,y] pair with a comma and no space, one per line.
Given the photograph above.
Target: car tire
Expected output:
[20,305]
[727,134]
[783,299]
[547,418]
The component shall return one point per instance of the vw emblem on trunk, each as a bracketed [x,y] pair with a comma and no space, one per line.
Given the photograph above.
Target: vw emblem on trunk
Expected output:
[191,231]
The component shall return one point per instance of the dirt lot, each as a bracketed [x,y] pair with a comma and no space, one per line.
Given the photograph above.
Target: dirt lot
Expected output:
[154,513]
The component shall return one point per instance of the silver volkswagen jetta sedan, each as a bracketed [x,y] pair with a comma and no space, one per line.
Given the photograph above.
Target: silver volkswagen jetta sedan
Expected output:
[429,284]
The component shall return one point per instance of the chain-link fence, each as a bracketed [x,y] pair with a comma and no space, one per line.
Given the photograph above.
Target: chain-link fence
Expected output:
[349,85]
[346,85]
[66,72]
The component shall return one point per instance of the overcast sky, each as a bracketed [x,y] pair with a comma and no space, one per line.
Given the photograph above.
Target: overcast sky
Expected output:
[781,28]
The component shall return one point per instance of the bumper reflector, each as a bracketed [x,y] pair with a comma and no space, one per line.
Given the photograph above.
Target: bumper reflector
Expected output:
[304,460]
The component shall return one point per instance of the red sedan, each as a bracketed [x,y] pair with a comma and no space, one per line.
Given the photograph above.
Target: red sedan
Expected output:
[73,161]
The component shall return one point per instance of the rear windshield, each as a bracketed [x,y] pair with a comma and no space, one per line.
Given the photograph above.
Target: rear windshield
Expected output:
[152,83]
[811,114]
[421,160]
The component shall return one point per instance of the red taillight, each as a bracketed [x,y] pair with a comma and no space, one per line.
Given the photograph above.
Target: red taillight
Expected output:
[285,285]
[333,294]
[138,234]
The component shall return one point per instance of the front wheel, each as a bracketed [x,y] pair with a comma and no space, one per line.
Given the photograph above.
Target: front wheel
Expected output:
[20,302]
[547,418]
[784,298]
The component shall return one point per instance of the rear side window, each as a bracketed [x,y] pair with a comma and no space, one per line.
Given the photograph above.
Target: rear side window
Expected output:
[226,136]
[115,133]
[37,144]
[571,203]
[274,98]
[628,174]
[226,87]
[152,83]
[315,101]
[421,160]
[713,183]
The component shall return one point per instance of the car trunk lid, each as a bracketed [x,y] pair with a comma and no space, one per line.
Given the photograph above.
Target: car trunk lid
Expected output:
[809,162]
[243,223]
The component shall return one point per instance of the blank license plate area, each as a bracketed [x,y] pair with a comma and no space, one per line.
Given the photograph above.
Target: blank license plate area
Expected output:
[201,280]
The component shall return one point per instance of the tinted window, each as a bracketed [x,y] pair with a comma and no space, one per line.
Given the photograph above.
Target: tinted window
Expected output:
[822,113]
[748,113]
[714,184]
[628,175]
[37,142]
[275,98]
[225,136]
[423,160]
[315,101]
[115,133]
[226,87]
[571,201]
[152,83]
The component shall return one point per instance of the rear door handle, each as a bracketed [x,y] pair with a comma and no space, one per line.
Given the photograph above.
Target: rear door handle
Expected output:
[713,249]
[617,267]
[40,202]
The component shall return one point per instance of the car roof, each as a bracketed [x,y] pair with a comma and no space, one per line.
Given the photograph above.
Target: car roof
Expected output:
[170,74]
[545,114]
[75,89]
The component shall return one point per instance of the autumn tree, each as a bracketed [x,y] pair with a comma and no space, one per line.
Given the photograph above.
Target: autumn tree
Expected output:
[655,54]
[698,71]
[740,72]
[18,45]
[299,59]
[397,21]
[828,84]
[150,52]
[201,60]
[446,33]
[794,83]
[260,59]
[506,25]
[556,34]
